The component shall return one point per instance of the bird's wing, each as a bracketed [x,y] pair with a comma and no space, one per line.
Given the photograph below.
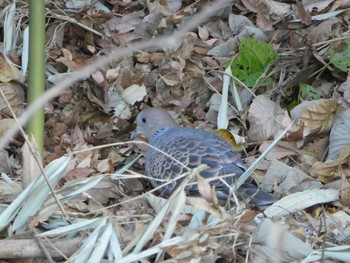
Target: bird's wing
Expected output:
[192,148]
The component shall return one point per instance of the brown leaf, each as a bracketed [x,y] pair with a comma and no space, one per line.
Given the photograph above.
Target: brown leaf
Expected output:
[273,9]
[69,61]
[143,57]
[149,23]
[327,171]
[171,79]
[304,14]
[5,124]
[126,23]
[204,187]
[315,117]
[77,173]
[59,129]
[289,179]
[9,72]
[281,150]
[317,6]
[266,119]
[203,204]
[340,4]
[203,33]
[104,166]
[14,94]
[271,239]
[247,217]
[327,29]
[345,190]
[317,148]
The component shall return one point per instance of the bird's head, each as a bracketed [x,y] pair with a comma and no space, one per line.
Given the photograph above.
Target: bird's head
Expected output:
[150,120]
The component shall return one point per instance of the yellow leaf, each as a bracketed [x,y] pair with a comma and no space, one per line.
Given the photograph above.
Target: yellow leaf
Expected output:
[236,145]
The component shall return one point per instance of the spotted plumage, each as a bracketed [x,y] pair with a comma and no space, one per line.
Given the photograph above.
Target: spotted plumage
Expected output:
[191,147]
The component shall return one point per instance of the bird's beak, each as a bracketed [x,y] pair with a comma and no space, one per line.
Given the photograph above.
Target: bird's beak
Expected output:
[135,133]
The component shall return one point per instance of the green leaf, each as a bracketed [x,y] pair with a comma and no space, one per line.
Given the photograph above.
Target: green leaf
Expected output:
[253,59]
[292,105]
[307,92]
[341,59]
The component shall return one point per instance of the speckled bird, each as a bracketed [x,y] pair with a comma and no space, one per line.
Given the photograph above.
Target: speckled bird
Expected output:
[192,147]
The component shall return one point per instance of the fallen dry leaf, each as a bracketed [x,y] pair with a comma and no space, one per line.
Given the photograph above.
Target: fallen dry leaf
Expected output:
[247,217]
[305,15]
[328,170]
[8,72]
[279,151]
[345,191]
[299,201]
[69,61]
[317,149]
[266,119]
[289,179]
[339,137]
[201,203]
[275,241]
[327,29]
[204,188]
[317,6]
[15,96]
[9,191]
[339,4]
[104,166]
[237,142]
[5,124]
[134,93]
[314,117]
[78,173]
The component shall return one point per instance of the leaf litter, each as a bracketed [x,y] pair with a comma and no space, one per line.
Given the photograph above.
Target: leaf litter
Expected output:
[307,80]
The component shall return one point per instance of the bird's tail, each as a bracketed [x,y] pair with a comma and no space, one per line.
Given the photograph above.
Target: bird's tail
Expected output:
[256,196]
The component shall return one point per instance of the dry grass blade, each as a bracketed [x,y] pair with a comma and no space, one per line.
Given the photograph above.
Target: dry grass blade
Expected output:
[71,190]
[114,246]
[177,206]
[222,115]
[341,253]
[25,53]
[172,202]
[82,184]
[81,224]
[10,189]
[83,254]
[9,28]
[31,199]
[102,239]
[150,251]
[101,244]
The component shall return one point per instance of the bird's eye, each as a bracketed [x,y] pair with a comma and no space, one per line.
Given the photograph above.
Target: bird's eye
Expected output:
[144,120]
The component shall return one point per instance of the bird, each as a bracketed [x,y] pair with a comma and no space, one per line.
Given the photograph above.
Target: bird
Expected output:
[192,147]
